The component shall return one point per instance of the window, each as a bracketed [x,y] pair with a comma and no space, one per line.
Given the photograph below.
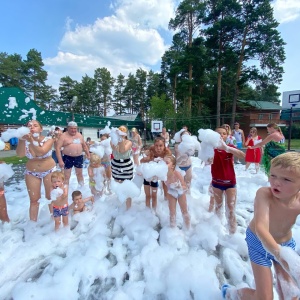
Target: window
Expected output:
[260,116]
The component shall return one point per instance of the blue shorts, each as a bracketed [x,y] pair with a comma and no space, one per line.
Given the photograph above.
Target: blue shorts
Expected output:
[223,187]
[239,145]
[257,252]
[151,183]
[185,168]
[60,211]
[73,161]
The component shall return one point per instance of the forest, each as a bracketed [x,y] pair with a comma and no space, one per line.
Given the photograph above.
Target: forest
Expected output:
[222,51]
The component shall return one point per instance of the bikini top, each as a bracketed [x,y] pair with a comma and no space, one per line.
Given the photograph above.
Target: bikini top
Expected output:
[41,143]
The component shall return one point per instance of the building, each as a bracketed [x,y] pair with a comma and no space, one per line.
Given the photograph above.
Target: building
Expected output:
[17,109]
[252,113]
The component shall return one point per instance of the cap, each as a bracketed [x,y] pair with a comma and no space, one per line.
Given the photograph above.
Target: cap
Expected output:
[72,123]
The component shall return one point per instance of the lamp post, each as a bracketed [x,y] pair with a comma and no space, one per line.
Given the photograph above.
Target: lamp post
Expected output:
[290,129]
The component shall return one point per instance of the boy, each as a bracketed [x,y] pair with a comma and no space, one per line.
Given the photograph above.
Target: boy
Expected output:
[78,204]
[275,211]
[59,197]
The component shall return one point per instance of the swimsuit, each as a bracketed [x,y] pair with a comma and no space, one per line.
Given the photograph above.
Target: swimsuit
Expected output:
[59,211]
[73,161]
[29,154]
[257,252]
[40,175]
[185,168]
[151,183]
[105,164]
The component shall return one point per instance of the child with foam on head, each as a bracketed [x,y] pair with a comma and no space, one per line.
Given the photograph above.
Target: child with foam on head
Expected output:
[176,191]
[223,178]
[96,173]
[269,234]
[78,204]
[59,197]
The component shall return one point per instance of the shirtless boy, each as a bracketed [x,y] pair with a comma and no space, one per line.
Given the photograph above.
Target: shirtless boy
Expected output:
[72,144]
[78,204]
[275,211]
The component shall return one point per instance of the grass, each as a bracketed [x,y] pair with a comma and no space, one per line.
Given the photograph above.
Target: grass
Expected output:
[14,160]
[295,144]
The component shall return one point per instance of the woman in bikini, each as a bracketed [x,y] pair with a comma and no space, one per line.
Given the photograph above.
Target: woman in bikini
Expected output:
[40,165]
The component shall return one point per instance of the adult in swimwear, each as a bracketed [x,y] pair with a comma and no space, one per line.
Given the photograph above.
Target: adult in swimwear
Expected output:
[40,165]
[71,144]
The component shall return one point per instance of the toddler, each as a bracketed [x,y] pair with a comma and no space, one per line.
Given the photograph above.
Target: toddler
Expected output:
[78,204]
[96,173]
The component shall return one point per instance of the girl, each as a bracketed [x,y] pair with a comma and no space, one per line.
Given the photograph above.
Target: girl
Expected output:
[40,165]
[136,146]
[274,145]
[223,178]
[184,162]
[105,162]
[253,155]
[60,203]
[96,174]
[176,191]
[156,152]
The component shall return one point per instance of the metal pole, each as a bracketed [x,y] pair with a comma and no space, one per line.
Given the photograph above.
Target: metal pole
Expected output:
[290,129]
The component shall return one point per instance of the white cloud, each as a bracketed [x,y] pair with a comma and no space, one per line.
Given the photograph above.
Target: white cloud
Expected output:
[286,10]
[123,42]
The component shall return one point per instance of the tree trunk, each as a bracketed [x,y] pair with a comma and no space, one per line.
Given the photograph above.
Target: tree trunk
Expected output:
[237,77]
[219,88]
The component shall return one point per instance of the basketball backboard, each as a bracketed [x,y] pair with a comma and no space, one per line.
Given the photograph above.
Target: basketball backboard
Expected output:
[156,126]
[291,99]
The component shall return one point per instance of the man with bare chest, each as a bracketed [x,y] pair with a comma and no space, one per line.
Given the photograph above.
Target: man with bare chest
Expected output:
[71,144]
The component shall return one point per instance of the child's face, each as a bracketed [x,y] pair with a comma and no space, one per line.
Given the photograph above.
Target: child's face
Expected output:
[57,182]
[159,146]
[78,199]
[284,182]
[169,163]
[223,133]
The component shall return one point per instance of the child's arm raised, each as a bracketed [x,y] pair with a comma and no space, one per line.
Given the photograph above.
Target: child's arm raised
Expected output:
[91,198]
[236,152]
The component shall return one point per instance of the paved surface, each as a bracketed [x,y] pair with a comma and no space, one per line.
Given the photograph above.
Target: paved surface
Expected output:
[8,153]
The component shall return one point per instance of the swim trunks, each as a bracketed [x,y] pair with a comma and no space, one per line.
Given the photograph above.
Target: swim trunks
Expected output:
[73,161]
[60,211]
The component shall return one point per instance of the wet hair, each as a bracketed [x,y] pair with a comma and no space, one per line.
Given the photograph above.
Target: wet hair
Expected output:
[172,159]
[58,174]
[27,124]
[275,126]
[159,138]
[95,158]
[227,127]
[288,160]
[75,194]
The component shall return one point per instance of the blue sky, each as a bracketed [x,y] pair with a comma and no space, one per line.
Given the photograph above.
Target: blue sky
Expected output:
[75,37]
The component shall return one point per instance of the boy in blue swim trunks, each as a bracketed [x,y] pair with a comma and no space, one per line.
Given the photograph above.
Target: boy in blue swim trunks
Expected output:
[275,211]
[59,197]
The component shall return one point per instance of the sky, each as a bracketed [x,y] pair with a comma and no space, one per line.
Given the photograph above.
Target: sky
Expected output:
[127,255]
[75,37]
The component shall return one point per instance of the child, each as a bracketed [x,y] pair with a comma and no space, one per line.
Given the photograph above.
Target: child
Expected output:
[223,178]
[155,152]
[3,207]
[59,206]
[176,191]
[78,204]
[269,233]
[105,162]
[96,174]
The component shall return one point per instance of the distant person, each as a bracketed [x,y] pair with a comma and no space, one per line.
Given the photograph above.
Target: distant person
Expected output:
[13,143]
[269,234]
[136,146]
[71,145]
[166,136]
[55,135]
[274,145]
[253,155]
[238,133]
[230,138]
[106,163]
